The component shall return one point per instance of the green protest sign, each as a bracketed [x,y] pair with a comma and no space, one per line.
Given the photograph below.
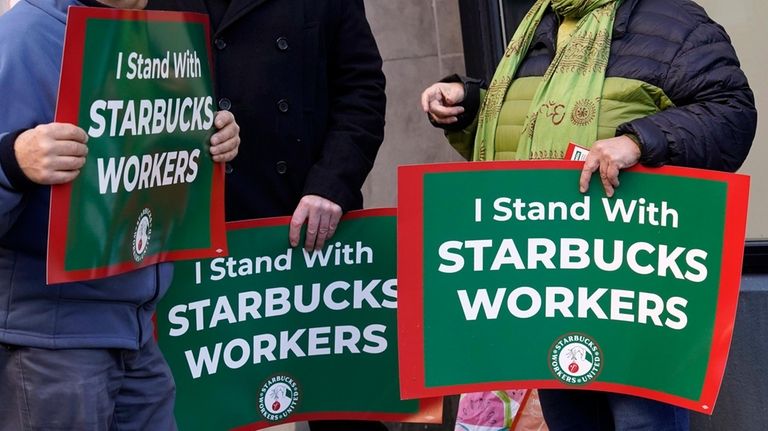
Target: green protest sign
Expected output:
[272,334]
[516,280]
[139,83]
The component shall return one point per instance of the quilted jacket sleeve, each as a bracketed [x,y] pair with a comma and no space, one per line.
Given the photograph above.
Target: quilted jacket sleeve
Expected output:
[713,123]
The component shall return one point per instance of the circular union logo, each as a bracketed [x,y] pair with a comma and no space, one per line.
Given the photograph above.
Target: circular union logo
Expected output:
[575,359]
[278,398]
[141,235]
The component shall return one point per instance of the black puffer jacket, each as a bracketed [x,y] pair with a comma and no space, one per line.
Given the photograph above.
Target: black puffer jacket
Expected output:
[673,45]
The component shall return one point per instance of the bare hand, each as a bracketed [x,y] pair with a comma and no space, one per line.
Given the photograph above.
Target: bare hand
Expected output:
[439,101]
[609,156]
[51,153]
[225,142]
[322,217]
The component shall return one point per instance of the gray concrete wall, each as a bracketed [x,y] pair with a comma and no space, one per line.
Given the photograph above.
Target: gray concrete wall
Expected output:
[420,42]
[741,18]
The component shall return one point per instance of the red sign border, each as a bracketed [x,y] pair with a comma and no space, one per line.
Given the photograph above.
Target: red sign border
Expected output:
[286,220]
[411,300]
[59,212]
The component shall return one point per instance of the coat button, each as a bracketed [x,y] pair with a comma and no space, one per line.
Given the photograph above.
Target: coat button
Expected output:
[282,105]
[220,44]
[225,104]
[282,43]
[281,167]
[228,168]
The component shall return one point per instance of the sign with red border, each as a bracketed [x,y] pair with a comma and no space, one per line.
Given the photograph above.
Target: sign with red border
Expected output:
[139,83]
[510,278]
[273,334]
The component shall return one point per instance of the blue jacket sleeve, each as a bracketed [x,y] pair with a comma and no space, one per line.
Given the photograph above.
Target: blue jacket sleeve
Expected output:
[29,75]
[714,119]
[10,199]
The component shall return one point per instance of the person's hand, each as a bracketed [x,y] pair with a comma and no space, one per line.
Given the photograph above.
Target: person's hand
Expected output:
[226,140]
[322,217]
[51,153]
[609,156]
[439,101]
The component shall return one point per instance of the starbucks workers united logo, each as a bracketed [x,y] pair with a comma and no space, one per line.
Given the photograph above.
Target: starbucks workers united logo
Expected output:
[278,398]
[575,359]
[141,235]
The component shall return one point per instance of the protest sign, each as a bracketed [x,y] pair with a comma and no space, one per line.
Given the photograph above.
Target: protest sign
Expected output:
[275,334]
[139,84]
[511,278]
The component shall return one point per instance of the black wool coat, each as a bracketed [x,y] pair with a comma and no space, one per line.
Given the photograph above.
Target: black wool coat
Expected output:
[304,81]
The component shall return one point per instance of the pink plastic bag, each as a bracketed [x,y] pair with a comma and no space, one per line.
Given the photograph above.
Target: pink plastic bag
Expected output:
[512,410]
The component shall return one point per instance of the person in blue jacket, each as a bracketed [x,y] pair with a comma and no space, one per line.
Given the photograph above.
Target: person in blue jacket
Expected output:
[74,356]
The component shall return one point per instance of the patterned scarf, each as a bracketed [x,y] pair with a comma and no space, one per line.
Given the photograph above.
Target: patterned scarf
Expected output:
[565,106]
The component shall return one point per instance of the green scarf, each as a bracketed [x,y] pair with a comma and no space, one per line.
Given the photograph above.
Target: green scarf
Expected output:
[566,104]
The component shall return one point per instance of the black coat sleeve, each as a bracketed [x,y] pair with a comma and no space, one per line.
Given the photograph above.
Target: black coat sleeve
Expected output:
[356,110]
[714,119]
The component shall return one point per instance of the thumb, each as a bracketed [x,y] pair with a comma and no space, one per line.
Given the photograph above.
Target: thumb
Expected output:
[449,97]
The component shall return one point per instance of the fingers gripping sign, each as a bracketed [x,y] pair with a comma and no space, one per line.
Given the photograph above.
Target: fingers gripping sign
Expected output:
[608,157]
[51,153]
[226,141]
[322,218]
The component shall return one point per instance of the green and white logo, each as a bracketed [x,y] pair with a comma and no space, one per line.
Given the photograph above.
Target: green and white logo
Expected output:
[575,359]
[278,398]
[141,235]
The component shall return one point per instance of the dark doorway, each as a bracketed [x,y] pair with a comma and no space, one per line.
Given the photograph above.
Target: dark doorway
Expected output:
[487,26]
[513,12]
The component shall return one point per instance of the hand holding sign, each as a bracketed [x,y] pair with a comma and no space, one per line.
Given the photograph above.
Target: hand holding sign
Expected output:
[52,153]
[322,217]
[225,142]
[609,156]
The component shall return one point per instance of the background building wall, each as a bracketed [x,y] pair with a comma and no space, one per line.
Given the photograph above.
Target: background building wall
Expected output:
[743,21]
[420,42]
[741,403]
